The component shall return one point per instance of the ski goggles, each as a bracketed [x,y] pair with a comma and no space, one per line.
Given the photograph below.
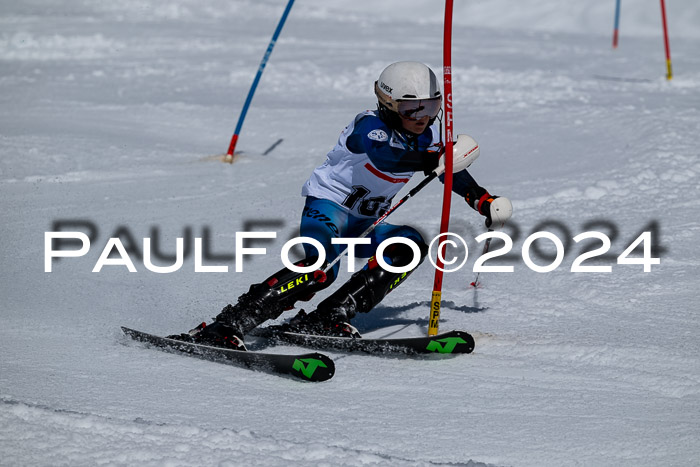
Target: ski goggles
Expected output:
[416,109]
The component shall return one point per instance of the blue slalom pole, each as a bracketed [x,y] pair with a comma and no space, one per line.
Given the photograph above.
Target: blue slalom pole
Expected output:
[617,23]
[234,139]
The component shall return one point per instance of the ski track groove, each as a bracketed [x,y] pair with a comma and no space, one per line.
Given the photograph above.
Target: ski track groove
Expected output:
[59,435]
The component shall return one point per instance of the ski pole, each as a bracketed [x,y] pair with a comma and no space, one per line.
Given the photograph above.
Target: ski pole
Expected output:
[433,175]
[486,250]
[234,139]
[436,298]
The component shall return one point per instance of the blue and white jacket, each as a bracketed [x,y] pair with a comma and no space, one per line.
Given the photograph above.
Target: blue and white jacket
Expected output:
[370,164]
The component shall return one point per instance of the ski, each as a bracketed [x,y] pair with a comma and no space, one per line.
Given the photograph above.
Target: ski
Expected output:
[453,342]
[306,367]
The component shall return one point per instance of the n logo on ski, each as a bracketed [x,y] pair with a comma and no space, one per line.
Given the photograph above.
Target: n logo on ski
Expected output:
[307,366]
[446,345]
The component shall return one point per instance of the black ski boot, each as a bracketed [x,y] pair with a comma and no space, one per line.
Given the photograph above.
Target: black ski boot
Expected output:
[322,323]
[216,334]
[365,289]
[263,301]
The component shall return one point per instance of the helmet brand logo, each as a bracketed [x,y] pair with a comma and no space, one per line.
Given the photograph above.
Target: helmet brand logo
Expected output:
[385,87]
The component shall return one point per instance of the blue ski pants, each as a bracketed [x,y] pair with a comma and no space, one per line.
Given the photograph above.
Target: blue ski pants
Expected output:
[324,220]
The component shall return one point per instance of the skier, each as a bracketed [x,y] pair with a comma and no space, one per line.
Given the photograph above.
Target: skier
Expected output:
[376,154]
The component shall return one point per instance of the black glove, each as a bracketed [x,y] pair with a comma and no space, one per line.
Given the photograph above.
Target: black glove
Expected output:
[431,159]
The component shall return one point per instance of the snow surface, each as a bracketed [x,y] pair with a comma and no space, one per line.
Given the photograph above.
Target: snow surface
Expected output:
[110,111]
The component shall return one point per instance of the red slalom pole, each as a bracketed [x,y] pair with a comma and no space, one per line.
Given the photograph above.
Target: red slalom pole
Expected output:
[436,301]
[617,23]
[669,72]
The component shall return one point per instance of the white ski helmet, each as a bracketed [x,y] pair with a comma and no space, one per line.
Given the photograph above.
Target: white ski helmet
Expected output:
[409,89]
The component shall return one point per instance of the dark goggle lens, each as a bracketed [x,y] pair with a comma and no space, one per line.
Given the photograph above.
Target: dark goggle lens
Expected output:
[420,108]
